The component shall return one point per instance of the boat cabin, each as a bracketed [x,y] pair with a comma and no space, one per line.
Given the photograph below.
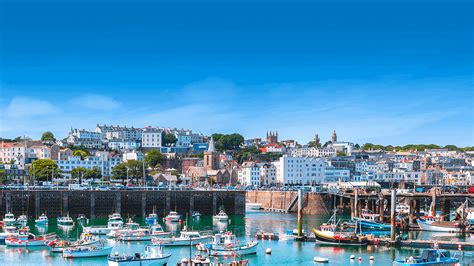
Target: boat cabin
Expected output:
[189,235]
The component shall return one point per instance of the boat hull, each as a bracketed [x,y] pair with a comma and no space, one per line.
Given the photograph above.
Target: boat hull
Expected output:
[97,230]
[241,250]
[451,262]
[331,240]
[426,226]
[87,254]
[139,262]
[182,242]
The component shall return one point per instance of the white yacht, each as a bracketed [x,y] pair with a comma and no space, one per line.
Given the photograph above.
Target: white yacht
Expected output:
[115,223]
[9,219]
[221,216]
[172,217]
[22,220]
[65,220]
[42,220]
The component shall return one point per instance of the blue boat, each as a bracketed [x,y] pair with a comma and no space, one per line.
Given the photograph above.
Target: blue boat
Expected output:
[152,218]
[429,257]
[371,225]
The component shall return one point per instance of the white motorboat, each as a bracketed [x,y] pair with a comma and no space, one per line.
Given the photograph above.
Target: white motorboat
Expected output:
[87,252]
[133,232]
[22,220]
[402,208]
[249,206]
[115,223]
[9,219]
[8,231]
[429,257]
[65,220]
[227,245]
[157,231]
[173,217]
[321,260]
[221,216]
[42,220]
[187,238]
[153,255]
[196,215]
[439,226]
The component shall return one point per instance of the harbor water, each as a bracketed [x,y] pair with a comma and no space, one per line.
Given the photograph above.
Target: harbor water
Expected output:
[284,252]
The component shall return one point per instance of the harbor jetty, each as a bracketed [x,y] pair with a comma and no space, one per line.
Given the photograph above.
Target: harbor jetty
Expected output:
[127,202]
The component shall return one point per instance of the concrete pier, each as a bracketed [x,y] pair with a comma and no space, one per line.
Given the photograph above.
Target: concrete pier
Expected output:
[129,203]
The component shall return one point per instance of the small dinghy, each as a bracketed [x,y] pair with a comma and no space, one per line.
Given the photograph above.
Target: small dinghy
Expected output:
[321,260]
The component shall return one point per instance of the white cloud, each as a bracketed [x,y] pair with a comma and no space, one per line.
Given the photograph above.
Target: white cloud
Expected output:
[96,101]
[21,107]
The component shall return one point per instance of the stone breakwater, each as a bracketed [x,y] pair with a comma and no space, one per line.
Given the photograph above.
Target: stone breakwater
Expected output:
[129,203]
[285,201]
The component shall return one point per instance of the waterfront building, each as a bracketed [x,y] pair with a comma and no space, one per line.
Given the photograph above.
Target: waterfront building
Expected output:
[293,170]
[13,152]
[333,174]
[103,161]
[267,174]
[249,174]
[84,138]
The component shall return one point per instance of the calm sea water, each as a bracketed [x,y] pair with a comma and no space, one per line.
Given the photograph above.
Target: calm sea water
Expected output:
[284,252]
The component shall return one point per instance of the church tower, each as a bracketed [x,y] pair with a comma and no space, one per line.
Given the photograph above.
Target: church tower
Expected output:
[334,137]
[317,141]
[211,157]
[272,137]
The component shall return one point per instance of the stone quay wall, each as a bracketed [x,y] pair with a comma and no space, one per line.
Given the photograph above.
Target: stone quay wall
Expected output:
[313,203]
[127,202]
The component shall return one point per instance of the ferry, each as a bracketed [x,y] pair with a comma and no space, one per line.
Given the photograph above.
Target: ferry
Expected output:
[187,238]
[115,223]
[9,219]
[172,217]
[429,257]
[42,220]
[87,252]
[221,216]
[227,245]
[153,255]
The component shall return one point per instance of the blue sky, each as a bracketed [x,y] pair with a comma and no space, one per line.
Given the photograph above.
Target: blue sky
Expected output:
[389,72]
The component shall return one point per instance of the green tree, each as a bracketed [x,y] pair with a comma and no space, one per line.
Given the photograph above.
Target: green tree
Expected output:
[135,169]
[80,153]
[48,136]
[78,173]
[120,172]
[227,142]
[340,153]
[93,173]
[451,147]
[3,176]
[154,158]
[169,139]
[44,169]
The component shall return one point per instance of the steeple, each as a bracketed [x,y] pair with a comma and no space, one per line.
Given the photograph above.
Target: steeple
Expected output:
[334,137]
[211,147]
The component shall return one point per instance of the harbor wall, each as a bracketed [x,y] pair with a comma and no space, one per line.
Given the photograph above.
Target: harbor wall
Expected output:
[313,203]
[129,203]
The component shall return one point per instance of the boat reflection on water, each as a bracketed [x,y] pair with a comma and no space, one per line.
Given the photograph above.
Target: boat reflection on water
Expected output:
[220,226]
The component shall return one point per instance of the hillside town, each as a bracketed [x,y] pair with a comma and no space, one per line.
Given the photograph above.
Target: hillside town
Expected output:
[153,156]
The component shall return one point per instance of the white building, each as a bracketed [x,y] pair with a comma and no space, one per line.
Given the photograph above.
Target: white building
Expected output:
[249,174]
[133,155]
[152,137]
[13,152]
[299,170]
[120,133]
[267,174]
[91,162]
[88,139]
[123,144]
[333,174]
[313,152]
[345,147]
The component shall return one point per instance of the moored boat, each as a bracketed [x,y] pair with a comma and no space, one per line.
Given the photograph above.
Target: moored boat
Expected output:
[221,216]
[153,255]
[249,206]
[65,220]
[42,220]
[186,238]
[9,219]
[115,223]
[57,245]
[442,226]
[8,231]
[87,251]
[196,215]
[28,239]
[22,220]
[429,257]
[227,245]
[172,217]
[151,218]
[339,238]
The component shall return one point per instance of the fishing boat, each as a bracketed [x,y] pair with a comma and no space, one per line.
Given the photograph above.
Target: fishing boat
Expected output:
[221,216]
[442,226]
[402,209]
[22,220]
[429,257]
[65,220]
[227,245]
[369,221]
[196,215]
[27,239]
[172,217]
[151,218]
[87,251]
[115,223]
[8,231]
[9,219]
[157,231]
[42,220]
[153,255]
[429,219]
[57,245]
[186,238]
[329,235]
